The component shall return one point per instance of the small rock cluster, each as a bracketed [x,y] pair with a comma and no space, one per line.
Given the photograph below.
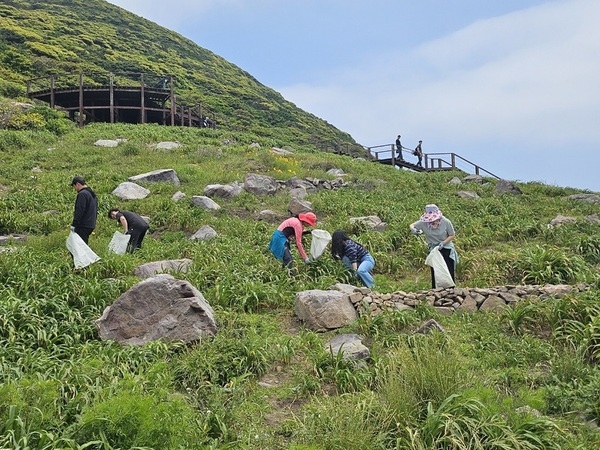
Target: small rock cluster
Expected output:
[449,300]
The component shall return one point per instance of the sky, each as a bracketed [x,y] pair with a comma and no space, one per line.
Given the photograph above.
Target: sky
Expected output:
[512,86]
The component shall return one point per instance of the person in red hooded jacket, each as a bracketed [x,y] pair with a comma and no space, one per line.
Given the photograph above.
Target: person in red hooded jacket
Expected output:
[291,228]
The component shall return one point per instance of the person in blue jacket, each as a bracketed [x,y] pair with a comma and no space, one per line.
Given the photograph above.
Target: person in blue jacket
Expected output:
[354,257]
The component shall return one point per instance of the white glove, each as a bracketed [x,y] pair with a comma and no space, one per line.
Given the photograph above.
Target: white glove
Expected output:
[416,232]
[307,260]
[72,228]
[441,246]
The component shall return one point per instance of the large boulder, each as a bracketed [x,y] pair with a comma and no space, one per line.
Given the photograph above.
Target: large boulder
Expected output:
[158,308]
[324,310]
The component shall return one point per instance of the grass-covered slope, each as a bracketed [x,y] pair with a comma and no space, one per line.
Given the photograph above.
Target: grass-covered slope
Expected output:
[526,378]
[96,37]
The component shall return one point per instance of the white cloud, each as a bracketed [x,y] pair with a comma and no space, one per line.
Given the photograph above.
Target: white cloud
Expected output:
[523,82]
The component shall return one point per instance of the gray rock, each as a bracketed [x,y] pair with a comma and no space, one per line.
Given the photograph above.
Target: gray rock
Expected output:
[166,266]
[223,190]
[260,184]
[336,172]
[205,233]
[157,176]
[130,191]
[168,145]
[473,179]
[158,308]
[470,195]
[178,196]
[493,303]
[108,143]
[350,345]
[589,198]
[324,310]
[507,187]
[561,220]
[205,202]
[428,326]
[297,206]
[12,238]
[373,222]
[281,151]
[268,215]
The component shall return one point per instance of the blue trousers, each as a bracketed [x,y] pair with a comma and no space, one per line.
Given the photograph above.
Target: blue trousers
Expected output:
[365,266]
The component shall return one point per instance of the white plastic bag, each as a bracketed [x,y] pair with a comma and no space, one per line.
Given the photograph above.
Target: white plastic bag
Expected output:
[441,273]
[83,256]
[318,244]
[118,243]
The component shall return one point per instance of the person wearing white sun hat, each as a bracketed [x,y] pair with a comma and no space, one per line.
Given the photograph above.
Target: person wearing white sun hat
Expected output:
[439,232]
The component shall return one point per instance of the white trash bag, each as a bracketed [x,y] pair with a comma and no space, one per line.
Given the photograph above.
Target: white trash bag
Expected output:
[83,256]
[442,276]
[118,243]
[318,244]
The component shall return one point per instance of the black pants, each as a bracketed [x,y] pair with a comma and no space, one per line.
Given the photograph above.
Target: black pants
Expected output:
[137,236]
[449,263]
[84,233]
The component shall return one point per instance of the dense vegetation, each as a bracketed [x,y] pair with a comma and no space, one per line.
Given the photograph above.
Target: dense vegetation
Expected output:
[96,37]
[523,378]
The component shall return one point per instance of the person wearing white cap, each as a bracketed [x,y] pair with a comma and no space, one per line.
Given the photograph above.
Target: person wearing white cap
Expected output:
[291,228]
[438,232]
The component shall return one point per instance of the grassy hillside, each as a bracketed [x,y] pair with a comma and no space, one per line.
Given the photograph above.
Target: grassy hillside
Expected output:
[96,37]
[523,378]
[264,382]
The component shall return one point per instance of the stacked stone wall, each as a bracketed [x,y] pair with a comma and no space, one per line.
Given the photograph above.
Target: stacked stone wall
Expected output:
[449,300]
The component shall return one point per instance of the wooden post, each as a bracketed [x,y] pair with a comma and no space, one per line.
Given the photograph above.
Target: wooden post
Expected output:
[111,97]
[172,101]
[393,156]
[80,99]
[142,102]
[52,85]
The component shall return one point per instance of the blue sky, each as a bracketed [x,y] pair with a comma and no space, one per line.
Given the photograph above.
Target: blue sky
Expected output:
[511,85]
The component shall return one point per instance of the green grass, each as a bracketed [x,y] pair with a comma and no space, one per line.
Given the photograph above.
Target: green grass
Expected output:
[263,382]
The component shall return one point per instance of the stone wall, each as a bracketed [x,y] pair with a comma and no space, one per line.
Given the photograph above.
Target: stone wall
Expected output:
[449,300]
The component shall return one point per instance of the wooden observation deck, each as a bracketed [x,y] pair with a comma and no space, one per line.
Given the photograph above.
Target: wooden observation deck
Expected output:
[113,98]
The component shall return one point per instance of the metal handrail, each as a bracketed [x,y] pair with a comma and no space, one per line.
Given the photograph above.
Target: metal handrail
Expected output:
[435,163]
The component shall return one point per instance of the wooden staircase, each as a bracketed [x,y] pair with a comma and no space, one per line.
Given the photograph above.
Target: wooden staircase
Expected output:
[431,162]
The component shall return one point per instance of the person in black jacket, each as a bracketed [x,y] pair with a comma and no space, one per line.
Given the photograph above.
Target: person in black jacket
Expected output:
[86,209]
[133,224]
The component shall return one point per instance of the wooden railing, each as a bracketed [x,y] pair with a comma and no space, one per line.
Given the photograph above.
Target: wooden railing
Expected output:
[430,162]
[179,112]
